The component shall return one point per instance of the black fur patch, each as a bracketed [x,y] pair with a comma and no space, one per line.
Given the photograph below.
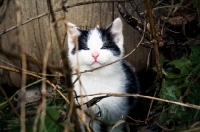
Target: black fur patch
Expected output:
[82,41]
[109,43]
[132,84]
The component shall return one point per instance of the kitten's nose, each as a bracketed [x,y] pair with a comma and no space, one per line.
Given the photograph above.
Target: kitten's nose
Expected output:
[95,55]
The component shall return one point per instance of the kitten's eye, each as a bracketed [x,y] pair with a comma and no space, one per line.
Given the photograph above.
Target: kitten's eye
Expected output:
[86,48]
[104,47]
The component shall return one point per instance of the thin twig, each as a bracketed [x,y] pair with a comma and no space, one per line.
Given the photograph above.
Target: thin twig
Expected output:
[29,20]
[19,68]
[93,2]
[83,118]
[66,69]
[11,105]
[190,86]
[37,76]
[23,55]
[29,59]
[136,121]
[132,21]
[150,107]
[154,41]
[147,97]
[56,10]
[163,127]
[43,104]
[148,59]
[41,110]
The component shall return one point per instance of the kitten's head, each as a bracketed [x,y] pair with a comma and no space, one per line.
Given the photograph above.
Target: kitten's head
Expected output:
[96,47]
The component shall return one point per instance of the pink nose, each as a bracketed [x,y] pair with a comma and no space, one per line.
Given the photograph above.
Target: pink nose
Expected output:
[95,55]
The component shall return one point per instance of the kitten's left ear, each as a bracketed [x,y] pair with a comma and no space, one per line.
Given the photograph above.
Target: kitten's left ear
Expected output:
[116,30]
[72,32]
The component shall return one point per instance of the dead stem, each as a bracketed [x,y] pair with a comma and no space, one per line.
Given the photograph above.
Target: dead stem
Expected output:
[41,74]
[136,121]
[154,41]
[147,97]
[82,117]
[9,102]
[66,70]
[37,76]
[42,107]
[29,59]
[148,58]
[156,50]
[56,10]
[84,122]
[23,55]
[150,108]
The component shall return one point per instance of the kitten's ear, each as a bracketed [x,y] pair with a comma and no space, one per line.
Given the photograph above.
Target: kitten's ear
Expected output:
[72,32]
[116,30]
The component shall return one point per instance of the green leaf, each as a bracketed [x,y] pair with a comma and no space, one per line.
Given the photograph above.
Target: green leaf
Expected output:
[168,91]
[118,123]
[75,80]
[195,53]
[127,127]
[182,64]
[163,60]
[14,125]
[171,75]
[34,83]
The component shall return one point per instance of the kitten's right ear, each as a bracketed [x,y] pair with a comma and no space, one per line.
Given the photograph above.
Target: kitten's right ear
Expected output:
[116,30]
[72,32]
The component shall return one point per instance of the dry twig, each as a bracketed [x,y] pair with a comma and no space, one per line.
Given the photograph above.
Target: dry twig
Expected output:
[9,102]
[147,97]
[56,10]
[66,70]
[154,41]
[24,66]
[37,76]
[42,107]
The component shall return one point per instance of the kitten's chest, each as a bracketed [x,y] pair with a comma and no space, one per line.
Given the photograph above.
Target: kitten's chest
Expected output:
[100,84]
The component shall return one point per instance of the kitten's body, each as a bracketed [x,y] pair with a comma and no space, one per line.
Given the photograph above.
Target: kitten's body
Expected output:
[98,47]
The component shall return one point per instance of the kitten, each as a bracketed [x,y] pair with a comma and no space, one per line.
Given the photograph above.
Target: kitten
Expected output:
[98,47]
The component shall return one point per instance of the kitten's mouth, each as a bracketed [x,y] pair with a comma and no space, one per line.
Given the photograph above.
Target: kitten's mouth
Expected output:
[96,63]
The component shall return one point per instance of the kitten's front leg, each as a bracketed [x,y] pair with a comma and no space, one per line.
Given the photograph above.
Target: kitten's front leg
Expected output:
[95,126]
[92,124]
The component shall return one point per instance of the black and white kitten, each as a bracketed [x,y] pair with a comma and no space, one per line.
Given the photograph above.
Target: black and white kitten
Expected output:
[97,47]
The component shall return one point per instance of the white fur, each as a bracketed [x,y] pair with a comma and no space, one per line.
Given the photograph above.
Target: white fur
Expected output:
[72,32]
[109,79]
[117,28]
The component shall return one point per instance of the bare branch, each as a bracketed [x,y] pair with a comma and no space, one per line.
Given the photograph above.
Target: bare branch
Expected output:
[29,59]
[56,10]
[37,76]
[147,97]
[155,40]
[132,21]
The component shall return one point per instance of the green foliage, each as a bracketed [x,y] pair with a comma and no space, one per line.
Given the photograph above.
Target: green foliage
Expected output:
[50,122]
[53,119]
[118,124]
[181,83]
